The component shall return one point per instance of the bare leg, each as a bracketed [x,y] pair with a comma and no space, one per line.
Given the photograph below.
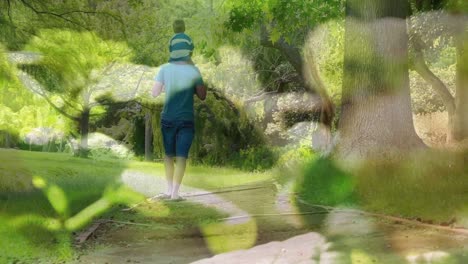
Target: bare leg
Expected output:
[169,166]
[178,175]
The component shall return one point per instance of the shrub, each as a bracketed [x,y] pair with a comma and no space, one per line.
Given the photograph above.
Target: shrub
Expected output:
[294,157]
[255,159]
[323,182]
[104,147]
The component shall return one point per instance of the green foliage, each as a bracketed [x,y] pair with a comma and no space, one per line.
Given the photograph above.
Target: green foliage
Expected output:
[20,110]
[326,45]
[285,18]
[5,69]
[38,214]
[323,182]
[223,136]
[243,16]
[254,159]
[235,74]
[71,69]
[73,61]
[296,156]
[221,132]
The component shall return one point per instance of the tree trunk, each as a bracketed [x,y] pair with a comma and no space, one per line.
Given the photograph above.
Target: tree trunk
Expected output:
[7,140]
[376,116]
[460,118]
[84,128]
[441,89]
[148,137]
[270,106]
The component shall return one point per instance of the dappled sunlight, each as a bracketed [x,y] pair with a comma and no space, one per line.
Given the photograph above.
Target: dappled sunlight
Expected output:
[417,244]
[348,224]
[431,257]
[146,184]
[102,147]
[157,209]
[225,237]
[284,204]
[307,248]
[234,75]
[361,257]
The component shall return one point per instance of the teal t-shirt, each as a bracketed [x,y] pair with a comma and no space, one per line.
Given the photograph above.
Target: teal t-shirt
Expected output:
[179,82]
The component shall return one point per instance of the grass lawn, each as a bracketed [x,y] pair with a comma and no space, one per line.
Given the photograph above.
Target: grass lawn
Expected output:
[38,222]
[431,186]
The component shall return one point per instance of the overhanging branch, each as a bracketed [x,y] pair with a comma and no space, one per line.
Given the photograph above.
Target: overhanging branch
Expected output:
[64,14]
[28,5]
[27,81]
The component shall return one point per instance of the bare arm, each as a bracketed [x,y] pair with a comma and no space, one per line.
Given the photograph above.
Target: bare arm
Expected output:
[201,92]
[158,88]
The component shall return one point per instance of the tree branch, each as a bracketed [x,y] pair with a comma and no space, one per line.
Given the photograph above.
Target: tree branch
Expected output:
[60,110]
[28,5]
[27,81]
[291,53]
[220,96]
[9,11]
[422,69]
[138,84]
[62,16]
[259,97]
[68,103]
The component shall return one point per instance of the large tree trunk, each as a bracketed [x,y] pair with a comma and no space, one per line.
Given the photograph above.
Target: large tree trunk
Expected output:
[460,118]
[84,129]
[148,137]
[376,107]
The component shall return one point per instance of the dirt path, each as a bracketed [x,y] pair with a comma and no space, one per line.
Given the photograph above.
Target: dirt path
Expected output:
[337,237]
[149,186]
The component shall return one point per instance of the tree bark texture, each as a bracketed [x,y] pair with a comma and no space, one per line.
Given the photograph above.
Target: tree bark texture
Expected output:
[148,136]
[460,119]
[376,105]
[84,130]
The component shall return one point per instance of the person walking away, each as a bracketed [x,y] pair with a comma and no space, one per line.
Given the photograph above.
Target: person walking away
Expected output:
[180,79]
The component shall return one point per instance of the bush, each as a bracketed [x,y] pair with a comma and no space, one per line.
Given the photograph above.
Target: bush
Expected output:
[296,156]
[224,136]
[323,182]
[255,159]
[104,147]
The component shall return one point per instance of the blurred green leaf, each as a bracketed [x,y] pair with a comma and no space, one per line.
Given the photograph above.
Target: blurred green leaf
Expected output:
[58,200]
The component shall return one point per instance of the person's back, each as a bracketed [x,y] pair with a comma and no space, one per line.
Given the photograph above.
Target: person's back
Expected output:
[180,81]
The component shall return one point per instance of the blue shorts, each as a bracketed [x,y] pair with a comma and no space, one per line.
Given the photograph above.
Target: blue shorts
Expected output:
[177,137]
